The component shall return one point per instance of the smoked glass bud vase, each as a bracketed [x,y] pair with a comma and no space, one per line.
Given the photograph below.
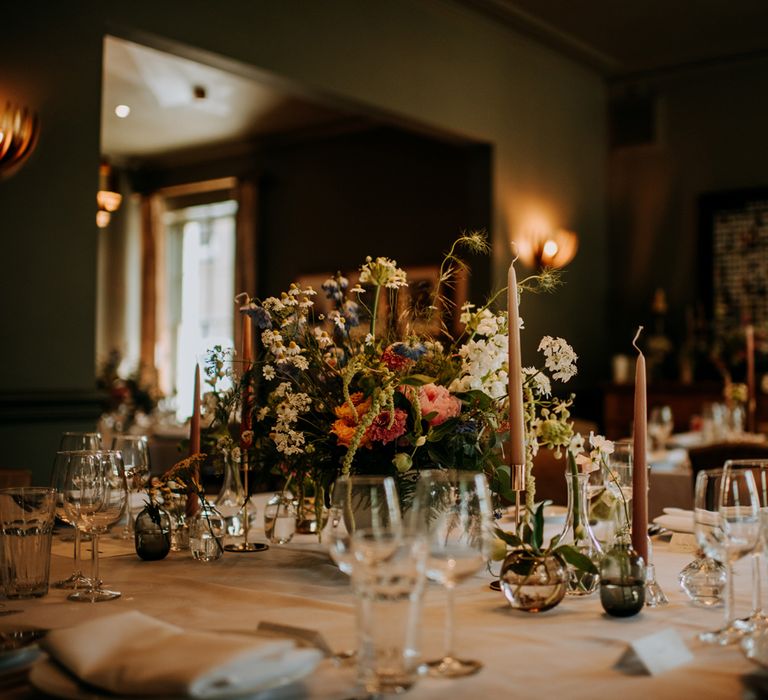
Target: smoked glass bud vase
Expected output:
[152,533]
[622,579]
[579,535]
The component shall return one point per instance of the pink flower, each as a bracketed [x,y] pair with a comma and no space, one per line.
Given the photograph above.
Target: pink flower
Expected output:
[437,399]
[380,430]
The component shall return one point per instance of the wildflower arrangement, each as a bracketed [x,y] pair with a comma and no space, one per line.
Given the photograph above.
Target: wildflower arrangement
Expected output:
[357,390]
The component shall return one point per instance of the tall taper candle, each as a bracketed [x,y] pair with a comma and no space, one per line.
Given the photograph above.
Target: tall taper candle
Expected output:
[516,415]
[640,463]
[192,505]
[247,355]
[194,425]
[751,391]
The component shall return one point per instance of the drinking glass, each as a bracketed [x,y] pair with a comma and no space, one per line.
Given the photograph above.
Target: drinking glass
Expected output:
[135,453]
[388,576]
[71,442]
[368,502]
[95,494]
[727,526]
[453,511]
[660,426]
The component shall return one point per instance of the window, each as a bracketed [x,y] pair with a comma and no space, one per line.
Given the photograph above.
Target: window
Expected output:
[200,290]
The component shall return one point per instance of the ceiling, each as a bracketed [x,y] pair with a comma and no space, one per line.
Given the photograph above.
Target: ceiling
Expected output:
[625,37]
[618,37]
[166,116]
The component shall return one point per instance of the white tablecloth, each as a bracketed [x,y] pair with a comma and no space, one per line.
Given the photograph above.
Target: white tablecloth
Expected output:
[569,652]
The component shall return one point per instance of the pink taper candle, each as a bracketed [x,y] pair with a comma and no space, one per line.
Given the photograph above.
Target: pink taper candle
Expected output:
[640,462]
[516,415]
[194,425]
[751,392]
[247,355]
[192,505]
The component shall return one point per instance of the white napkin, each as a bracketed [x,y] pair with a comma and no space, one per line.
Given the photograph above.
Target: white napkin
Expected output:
[133,654]
[676,519]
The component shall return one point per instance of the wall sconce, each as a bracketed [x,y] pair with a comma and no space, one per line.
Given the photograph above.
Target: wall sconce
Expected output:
[108,198]
[540,247]
[19,131]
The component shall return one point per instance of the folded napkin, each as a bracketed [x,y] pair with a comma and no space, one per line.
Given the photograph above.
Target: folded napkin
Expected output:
[133,654]
[676,519]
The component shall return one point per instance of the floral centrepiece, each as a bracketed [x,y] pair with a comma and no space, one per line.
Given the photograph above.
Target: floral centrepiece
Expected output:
[354,388]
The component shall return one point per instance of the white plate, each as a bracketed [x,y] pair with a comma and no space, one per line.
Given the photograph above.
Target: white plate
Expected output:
[51,678]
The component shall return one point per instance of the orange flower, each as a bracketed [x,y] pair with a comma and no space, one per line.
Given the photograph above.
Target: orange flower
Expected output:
[345,410]
[344,432]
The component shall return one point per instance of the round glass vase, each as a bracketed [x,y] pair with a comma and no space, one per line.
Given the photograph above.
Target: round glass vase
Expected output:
[578,534]
[280,517]
[152,533]
[206,533]
[622,579]
[533,583]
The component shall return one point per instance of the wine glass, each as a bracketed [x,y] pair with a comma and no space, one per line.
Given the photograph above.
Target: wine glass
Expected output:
[727,526]
[95,494]
[368,502]
[136,462]
[71,441]
[452,509]
[759,468]
[660,426]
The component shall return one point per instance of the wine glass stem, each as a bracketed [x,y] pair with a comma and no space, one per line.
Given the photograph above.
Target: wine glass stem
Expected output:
[729,601]
[757,594]
[94,561]
[449,621]
[77,550]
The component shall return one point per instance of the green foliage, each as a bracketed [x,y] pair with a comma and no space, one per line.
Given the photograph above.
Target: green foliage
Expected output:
[531,541]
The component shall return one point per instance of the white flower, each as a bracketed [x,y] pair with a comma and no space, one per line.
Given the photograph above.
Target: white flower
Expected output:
[541,384]
[357,289]
[322,338]
[382,272]
[576,447]
[601,443]
[269,372]
[559,357]
[369,339]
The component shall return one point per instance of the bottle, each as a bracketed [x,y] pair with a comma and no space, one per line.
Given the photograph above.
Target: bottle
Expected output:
[578,534]
[280,515]
[152,533]
[231,499]
[206,533]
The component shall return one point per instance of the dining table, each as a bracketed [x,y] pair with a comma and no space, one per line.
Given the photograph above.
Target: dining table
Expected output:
[572,651]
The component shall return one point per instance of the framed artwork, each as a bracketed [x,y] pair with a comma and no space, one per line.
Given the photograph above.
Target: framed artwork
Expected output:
[734,236]
[412,302]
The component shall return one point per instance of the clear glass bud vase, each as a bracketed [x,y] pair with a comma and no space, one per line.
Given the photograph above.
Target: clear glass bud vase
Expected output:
[579,535]
[229,503]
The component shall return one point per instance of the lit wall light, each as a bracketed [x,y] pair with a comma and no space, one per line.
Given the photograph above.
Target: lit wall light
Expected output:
[108,198]
[122,111]
[540,246]
[19,132]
